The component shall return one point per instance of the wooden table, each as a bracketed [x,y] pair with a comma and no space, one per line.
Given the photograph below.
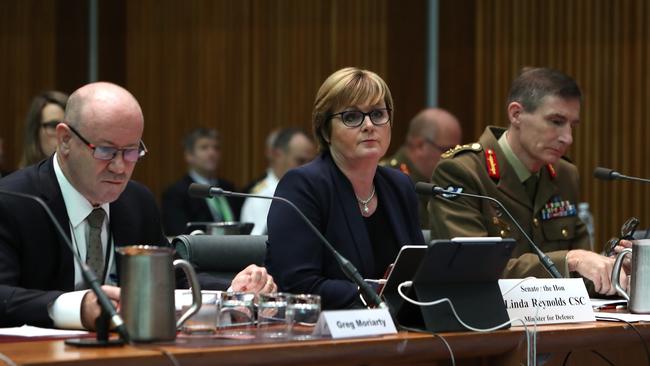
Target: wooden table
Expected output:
[617,341]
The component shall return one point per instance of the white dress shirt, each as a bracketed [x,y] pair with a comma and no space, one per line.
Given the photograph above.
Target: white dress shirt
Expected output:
[256,210]
[65,311]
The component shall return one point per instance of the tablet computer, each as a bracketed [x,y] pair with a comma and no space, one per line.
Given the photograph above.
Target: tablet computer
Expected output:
[465,270]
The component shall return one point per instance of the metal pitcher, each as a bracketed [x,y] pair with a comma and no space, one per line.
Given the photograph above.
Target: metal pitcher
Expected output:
[638,296]
[148,281]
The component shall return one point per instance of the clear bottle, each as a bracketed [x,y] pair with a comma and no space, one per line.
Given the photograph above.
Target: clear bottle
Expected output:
[585,215]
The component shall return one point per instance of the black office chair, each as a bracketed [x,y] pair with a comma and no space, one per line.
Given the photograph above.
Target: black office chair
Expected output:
[218,258]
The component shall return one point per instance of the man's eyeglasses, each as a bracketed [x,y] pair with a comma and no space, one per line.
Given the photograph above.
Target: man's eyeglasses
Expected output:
[627,233]
[106,153]
[378,117]
[441,148]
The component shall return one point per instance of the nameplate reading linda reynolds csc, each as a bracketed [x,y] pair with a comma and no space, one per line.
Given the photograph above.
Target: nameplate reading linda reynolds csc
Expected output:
[355,323]
[547,301]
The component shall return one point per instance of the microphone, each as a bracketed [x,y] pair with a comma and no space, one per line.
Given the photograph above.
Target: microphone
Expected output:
[350,271]
[431,189]
[87,273]
[610,174]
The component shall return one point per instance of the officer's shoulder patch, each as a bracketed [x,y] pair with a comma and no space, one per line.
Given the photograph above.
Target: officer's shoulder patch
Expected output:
[476,147]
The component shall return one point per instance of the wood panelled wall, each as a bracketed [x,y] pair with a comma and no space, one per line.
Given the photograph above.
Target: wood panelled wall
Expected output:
[604,45]
[247,67]
[243,67]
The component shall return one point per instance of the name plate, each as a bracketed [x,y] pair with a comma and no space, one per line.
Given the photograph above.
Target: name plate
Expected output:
[547,301]
[354,323]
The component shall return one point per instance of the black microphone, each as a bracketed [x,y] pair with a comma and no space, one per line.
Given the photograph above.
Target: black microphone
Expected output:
[610,174]
[87,273]
[204,190]
[431,189]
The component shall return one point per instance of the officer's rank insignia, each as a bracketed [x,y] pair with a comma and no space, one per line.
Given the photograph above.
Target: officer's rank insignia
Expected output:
[556,207]
[459,148]
[453,189]
[491,163]
[404,169]
[551,171]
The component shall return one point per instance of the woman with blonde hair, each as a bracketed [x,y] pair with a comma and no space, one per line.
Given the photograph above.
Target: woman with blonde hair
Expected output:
[366,211]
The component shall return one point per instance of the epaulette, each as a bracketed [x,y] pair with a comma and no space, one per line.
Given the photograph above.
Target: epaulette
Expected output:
[476,147]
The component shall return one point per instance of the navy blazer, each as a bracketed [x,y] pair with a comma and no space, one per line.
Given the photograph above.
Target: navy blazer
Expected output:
[35,264]
[298,260]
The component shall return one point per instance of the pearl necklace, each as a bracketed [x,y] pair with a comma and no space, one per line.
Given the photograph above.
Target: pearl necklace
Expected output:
[365,202]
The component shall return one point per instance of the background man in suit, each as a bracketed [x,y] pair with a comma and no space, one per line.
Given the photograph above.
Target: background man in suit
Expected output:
[524,167]
[431,132]
[87,185]
[291,149]
[202,154]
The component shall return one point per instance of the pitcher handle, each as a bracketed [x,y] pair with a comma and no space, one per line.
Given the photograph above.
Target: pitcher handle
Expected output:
[196,290]
[616,271]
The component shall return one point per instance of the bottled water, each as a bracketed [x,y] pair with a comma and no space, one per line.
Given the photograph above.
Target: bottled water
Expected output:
[585,215]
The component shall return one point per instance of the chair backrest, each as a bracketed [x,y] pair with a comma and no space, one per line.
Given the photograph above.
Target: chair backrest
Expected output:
[222,256]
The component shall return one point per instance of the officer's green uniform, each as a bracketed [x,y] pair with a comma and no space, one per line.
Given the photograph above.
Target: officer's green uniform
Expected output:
[401,162]
[483,168]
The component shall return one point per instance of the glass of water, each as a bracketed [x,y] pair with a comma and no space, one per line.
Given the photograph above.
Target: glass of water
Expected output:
[272,315]
[236,313]
[205,320]
[302,315]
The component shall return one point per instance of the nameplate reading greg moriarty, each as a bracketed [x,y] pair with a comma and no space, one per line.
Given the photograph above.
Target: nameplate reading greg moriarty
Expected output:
[355,323]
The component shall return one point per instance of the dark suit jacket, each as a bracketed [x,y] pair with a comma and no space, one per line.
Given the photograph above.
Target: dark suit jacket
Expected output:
[178,208]
[297,259]
[35,264]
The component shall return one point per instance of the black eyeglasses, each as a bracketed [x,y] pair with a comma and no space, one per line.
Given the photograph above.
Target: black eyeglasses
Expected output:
[441,148]
[50,125]
[378,117]
[627,233]
[106,153]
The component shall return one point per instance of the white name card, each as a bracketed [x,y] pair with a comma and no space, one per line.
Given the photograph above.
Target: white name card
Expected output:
[547,301]
[354,323]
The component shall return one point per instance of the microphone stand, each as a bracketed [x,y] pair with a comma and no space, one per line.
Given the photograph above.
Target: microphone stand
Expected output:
[543,258]
[108,312]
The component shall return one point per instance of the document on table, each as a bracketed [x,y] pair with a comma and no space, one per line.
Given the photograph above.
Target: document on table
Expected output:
[632,318]
[29,331]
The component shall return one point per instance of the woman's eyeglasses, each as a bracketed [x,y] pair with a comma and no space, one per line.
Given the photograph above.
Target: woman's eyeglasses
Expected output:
[378,117]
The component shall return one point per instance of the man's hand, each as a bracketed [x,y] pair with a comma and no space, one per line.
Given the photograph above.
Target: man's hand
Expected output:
[90,308]
[254,279]
[594,267]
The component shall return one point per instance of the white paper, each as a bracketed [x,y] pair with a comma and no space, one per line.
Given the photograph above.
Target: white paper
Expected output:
[29,331]
[632,318]
[597,303]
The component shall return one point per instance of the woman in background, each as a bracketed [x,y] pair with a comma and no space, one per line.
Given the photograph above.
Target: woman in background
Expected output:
[366,211]
[45,112]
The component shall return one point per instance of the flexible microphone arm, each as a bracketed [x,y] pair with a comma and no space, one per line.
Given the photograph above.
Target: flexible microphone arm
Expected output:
[610,174]
[204,190]
[428,188]
[87,274]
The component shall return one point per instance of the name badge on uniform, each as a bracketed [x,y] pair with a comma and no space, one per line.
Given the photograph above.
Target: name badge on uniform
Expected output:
[556,207]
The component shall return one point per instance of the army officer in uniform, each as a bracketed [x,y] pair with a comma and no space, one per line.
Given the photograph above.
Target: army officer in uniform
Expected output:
[524,167]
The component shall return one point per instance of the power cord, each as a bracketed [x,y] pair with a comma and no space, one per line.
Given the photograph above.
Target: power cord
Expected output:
[635,329]
[4,358]
[530,339]
[416,330]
